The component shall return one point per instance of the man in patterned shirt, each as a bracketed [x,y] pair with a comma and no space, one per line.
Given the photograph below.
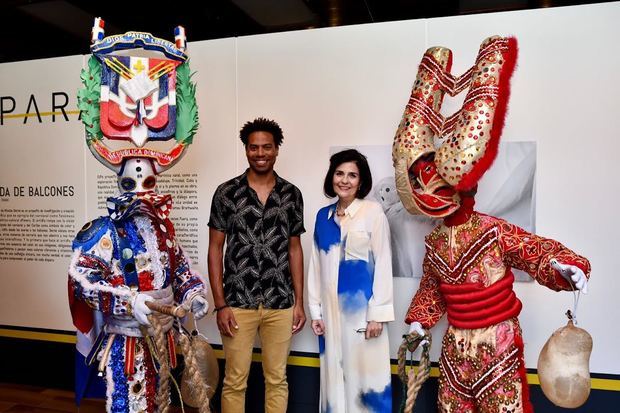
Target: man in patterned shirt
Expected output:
[258,283]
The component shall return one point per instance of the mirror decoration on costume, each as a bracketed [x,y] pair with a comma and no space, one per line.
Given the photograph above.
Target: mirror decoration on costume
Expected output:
[128,271]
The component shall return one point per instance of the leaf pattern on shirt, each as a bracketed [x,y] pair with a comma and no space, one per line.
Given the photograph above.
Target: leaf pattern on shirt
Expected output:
[256,267]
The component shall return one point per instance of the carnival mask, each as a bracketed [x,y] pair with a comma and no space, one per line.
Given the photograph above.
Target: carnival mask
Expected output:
[433,196]
[138,104]
[137,175]
[428,179]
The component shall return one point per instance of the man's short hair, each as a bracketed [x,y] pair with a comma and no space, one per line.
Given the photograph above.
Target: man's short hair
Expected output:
[261,125]
[348,155]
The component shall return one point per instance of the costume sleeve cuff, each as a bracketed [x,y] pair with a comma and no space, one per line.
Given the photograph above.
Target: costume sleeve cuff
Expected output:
[381,313]
[188,290]
[191,294]
[315,311]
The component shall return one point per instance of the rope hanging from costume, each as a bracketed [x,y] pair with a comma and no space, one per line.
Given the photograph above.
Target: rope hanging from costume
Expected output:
[199,383]
[159,347]
[412,381]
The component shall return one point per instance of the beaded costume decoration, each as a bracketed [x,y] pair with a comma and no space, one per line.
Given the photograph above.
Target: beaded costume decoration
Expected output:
[470,136]
[131,258]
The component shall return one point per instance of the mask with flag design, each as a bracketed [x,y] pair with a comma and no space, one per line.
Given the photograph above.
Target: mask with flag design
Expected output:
[138,105]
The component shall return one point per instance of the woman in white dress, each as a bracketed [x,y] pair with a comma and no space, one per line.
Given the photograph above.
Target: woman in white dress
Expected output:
[350,291]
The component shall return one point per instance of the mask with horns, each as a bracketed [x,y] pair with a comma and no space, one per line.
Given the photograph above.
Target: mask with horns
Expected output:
[429,179]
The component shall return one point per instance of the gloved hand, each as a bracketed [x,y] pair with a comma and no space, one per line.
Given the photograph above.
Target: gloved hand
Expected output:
[200,306]
[572,273]
[416,327]
[140,310]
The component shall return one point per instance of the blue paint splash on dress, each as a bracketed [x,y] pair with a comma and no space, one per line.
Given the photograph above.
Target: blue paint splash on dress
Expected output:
[378,402]
[321,344]
[355,281]
[327,227]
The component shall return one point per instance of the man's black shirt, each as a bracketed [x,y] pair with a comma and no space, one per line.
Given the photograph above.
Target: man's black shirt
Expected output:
[256,262]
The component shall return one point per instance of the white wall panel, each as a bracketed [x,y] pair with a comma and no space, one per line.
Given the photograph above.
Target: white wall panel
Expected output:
[347,86]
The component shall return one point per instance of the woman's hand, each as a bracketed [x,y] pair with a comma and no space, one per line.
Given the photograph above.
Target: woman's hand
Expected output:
[318,326]
[373,329]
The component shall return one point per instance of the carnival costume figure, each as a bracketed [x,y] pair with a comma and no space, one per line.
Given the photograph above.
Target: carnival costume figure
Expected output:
[468,260]
[128,262]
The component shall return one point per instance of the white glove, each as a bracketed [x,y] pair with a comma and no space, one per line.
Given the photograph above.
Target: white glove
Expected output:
[200,306]
[572,273]
[140,310]
[416,327]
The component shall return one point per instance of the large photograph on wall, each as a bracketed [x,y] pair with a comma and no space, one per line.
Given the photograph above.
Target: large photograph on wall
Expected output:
[506,192]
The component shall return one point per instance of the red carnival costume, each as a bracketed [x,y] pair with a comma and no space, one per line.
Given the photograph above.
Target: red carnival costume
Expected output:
[467,266]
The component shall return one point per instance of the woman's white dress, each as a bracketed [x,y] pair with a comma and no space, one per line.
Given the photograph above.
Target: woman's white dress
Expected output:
[349,284]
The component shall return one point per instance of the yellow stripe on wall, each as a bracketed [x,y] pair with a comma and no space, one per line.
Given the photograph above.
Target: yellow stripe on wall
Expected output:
[301,361]
[30,115]
[38,335]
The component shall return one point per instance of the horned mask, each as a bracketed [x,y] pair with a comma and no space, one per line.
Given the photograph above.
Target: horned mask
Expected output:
[429,178]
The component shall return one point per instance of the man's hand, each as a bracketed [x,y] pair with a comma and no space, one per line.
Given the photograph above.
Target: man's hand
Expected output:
[226,322]
[200,306]
[299,318]
[572,273]
[373,329]
[140,310]
[318,327]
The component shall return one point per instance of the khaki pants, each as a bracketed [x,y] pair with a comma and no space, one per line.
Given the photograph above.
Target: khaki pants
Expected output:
[274,328]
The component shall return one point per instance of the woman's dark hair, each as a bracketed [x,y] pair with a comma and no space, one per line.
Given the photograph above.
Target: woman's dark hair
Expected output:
[261,125]
[348,155]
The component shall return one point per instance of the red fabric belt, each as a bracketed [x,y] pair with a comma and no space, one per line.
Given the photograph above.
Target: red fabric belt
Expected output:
[474,306]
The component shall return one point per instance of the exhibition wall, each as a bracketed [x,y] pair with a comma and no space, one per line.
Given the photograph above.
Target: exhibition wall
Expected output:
[344,86]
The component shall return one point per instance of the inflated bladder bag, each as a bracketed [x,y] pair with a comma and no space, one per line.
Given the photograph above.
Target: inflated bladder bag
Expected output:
[563,366]
[209,369]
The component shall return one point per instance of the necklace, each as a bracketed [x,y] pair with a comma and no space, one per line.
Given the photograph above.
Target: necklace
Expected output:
[340,211]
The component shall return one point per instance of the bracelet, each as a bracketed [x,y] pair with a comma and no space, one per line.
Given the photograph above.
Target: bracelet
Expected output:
[216,309]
